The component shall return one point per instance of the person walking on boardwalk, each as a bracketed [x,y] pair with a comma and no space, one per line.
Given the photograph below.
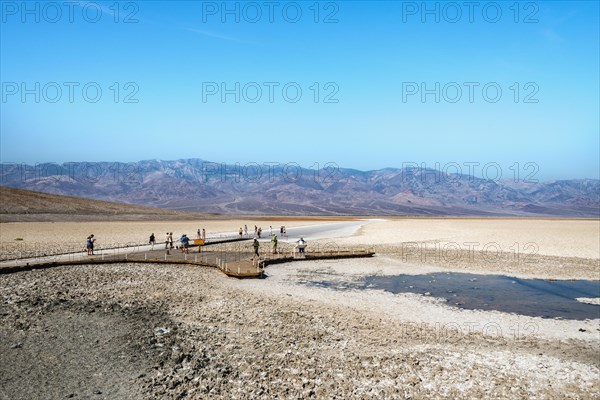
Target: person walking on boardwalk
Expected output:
[255,231]
[152,241]
[259,231]
[256,245]
[171,240]
[241,232]
[167,241]
[274,243]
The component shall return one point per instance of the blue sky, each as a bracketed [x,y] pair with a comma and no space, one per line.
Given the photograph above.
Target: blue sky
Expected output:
[362,69]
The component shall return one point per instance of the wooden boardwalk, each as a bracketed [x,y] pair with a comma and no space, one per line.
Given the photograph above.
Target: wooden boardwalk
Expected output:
[232,258]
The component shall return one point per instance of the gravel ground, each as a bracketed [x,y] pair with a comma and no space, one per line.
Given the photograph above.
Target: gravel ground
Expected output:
[129,331]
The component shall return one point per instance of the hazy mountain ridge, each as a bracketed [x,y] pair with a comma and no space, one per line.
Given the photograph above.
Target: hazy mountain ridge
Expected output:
[198,185]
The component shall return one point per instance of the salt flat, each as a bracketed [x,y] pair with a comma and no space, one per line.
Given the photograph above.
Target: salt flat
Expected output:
[187,332]
[555,249]
[21,239]
[135,231]
[559,237]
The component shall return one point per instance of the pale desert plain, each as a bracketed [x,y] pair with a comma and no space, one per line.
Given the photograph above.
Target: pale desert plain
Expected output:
[174,332]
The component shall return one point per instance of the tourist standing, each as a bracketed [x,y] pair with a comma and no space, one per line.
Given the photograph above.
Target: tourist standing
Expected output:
[167,241]
[256,245]
[246,230]
[241,232]
[88,245]
[274,243]
[301,245]
[203,234]
[152,241]
[171,240]
[185,243]
[93,241]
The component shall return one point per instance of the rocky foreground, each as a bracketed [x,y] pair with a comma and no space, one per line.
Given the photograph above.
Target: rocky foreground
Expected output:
[134,331]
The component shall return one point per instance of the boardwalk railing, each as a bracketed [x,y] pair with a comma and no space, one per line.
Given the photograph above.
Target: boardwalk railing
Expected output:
[233,259]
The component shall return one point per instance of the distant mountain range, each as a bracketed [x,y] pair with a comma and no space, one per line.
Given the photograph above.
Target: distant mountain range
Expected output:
[202,186]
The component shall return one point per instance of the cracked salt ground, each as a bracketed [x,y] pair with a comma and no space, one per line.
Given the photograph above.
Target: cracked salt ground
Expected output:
[250,340]
[531,297]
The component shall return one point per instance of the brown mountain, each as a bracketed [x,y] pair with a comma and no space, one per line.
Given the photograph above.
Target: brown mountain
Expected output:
[26,205]
[202,186]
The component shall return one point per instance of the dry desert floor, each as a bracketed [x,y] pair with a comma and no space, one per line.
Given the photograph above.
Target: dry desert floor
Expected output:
[142,331]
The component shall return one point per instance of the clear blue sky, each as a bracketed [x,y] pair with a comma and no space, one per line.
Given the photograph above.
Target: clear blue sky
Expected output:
[374,58]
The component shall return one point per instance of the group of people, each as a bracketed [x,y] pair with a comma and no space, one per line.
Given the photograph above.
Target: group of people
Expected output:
[185,240]
[282,231]
[169,244]
[243,232]
[300,245]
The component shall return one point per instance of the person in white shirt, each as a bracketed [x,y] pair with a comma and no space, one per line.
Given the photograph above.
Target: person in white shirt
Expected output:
[301,245]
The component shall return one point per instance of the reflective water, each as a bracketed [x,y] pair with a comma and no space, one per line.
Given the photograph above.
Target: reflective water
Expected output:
[532,297]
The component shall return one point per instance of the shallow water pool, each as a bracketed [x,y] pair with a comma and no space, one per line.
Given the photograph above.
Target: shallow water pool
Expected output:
[532,297]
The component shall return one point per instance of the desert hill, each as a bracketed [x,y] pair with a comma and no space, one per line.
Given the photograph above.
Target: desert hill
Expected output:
[27,205]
